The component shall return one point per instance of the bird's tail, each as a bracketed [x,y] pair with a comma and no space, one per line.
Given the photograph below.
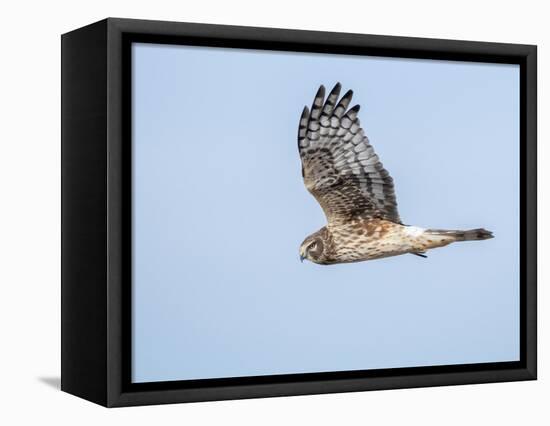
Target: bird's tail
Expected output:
[468,235]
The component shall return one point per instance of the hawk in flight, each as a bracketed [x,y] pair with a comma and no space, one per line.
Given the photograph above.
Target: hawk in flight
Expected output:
[343,173]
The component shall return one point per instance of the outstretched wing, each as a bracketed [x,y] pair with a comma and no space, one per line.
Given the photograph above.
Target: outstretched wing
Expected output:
[339,166]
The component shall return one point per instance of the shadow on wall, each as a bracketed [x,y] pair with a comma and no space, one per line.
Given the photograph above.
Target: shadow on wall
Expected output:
[54,382]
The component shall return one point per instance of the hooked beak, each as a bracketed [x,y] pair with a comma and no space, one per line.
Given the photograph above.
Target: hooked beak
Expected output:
[302,258]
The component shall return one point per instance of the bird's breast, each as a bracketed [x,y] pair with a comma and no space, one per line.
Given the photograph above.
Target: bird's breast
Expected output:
[367,239]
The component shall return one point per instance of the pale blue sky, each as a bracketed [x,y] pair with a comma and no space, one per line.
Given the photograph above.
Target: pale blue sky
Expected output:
[220,209]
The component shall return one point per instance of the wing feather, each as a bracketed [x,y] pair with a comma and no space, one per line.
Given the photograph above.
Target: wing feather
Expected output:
[339,165]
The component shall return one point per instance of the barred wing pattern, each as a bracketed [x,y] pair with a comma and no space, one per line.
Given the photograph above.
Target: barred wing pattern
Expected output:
[339,166]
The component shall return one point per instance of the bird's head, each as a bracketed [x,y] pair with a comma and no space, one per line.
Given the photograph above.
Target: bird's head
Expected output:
[313,248]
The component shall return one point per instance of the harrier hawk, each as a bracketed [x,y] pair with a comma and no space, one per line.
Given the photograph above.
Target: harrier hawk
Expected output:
[343,173]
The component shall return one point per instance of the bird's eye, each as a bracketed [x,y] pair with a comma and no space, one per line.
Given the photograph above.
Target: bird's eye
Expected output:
[313,246]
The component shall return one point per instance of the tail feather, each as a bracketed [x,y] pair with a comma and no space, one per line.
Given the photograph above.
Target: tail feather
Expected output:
[468,235]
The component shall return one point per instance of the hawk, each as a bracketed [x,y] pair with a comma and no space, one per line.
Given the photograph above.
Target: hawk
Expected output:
[355,191]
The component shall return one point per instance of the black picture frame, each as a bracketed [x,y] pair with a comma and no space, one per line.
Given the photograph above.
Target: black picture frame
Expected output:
[96,212]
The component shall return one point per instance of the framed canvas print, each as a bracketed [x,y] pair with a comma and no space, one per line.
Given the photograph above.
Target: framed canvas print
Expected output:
[253,212]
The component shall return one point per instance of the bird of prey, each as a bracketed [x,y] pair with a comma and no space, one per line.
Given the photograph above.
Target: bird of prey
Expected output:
[344,174]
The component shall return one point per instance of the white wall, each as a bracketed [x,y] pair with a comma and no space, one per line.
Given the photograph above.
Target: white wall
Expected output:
[29,235]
